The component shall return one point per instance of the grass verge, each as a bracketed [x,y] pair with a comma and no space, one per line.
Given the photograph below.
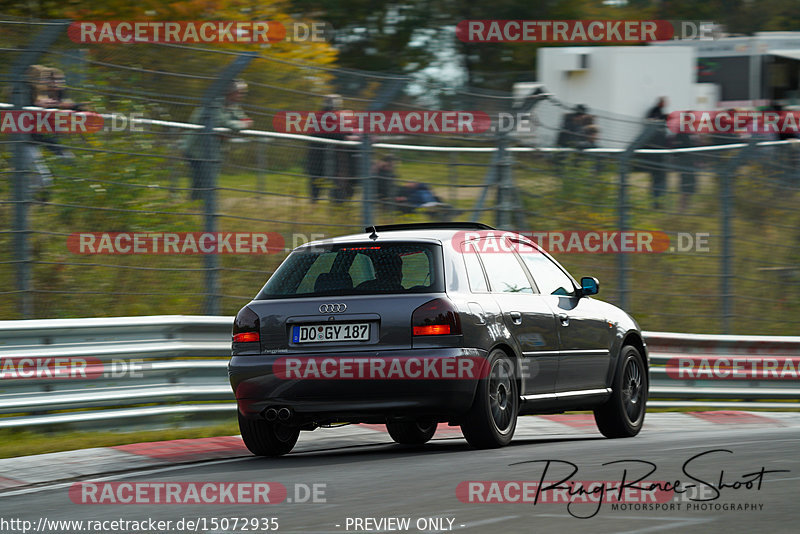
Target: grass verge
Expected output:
[24,442]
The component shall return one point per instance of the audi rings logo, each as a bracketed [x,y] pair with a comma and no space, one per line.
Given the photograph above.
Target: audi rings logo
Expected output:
[333,308]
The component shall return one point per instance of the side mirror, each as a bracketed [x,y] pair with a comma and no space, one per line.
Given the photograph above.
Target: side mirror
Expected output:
[589,286]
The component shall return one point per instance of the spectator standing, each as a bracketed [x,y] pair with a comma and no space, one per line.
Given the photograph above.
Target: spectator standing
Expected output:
[321,160]
[46,89]
[52,93]
[571,133]
[655,163]
[228,114]
[577,131]
[348,158]
[385,175]
[686,161]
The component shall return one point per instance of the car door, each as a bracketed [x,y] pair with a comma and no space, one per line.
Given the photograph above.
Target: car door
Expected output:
[526,315]
[584,333]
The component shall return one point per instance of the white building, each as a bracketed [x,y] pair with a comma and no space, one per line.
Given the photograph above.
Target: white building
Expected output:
[618,84]
[751,71]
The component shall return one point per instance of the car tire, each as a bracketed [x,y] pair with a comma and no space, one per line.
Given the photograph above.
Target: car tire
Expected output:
[265,438]
[412,432]
[492,419]
[622,416]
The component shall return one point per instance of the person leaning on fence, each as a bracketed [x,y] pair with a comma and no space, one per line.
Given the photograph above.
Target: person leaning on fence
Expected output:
[228,114]
[52,93]
[348,159]
[655,163]
[588,133]
[321,161]
[687,162]
[385,174]
[572,125]
[577,131]
[46,89]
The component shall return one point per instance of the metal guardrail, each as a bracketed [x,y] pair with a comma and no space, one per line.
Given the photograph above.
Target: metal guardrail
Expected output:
[172,369]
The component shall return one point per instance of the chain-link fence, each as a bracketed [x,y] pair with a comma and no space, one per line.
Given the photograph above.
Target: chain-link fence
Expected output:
[722,210]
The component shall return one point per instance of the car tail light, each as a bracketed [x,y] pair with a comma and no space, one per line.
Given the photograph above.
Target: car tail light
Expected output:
[246,326]
[246,337]
[436,318]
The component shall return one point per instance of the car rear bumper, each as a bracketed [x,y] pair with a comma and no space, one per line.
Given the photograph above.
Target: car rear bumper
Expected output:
[262,381]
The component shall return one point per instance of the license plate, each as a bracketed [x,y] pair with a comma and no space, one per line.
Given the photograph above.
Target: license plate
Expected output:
[330,332]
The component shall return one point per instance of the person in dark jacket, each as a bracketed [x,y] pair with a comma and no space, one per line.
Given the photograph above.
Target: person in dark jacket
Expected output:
[385,176]
[655,163]
[322,159]
[197,149]
[575,132]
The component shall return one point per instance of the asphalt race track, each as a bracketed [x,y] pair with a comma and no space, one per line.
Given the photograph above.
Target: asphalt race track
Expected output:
[380,480]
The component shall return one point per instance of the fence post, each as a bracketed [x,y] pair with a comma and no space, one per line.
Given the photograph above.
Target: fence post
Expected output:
[210,166]
[387,93]
[488,181]
[262,145]
[504,183]
[20,98]
[623,267]
[726,272]
[367,180]
[452,179]
[726,178]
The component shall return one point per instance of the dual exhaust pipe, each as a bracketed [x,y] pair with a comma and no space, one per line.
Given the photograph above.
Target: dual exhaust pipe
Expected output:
[278,414]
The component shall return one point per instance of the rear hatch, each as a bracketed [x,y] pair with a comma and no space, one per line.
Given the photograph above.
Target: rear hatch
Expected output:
[298,325]
[345,297]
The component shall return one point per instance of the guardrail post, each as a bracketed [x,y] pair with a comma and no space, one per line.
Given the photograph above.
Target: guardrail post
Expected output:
[21,97]
[210,166]
[623,268]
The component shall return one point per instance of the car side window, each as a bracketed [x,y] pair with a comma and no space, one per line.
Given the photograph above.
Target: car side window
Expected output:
[505,273]
[477,279]
[549,278]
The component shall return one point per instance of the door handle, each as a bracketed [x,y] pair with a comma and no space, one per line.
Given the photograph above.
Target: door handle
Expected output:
[516,317]
[564,318]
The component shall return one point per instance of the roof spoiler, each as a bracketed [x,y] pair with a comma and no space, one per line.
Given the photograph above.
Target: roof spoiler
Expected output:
[429,226]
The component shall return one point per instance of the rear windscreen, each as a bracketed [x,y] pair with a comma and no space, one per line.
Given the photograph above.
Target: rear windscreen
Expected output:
[358,269]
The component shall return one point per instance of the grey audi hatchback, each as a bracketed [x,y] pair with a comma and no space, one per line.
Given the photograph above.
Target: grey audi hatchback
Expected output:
[413,325]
